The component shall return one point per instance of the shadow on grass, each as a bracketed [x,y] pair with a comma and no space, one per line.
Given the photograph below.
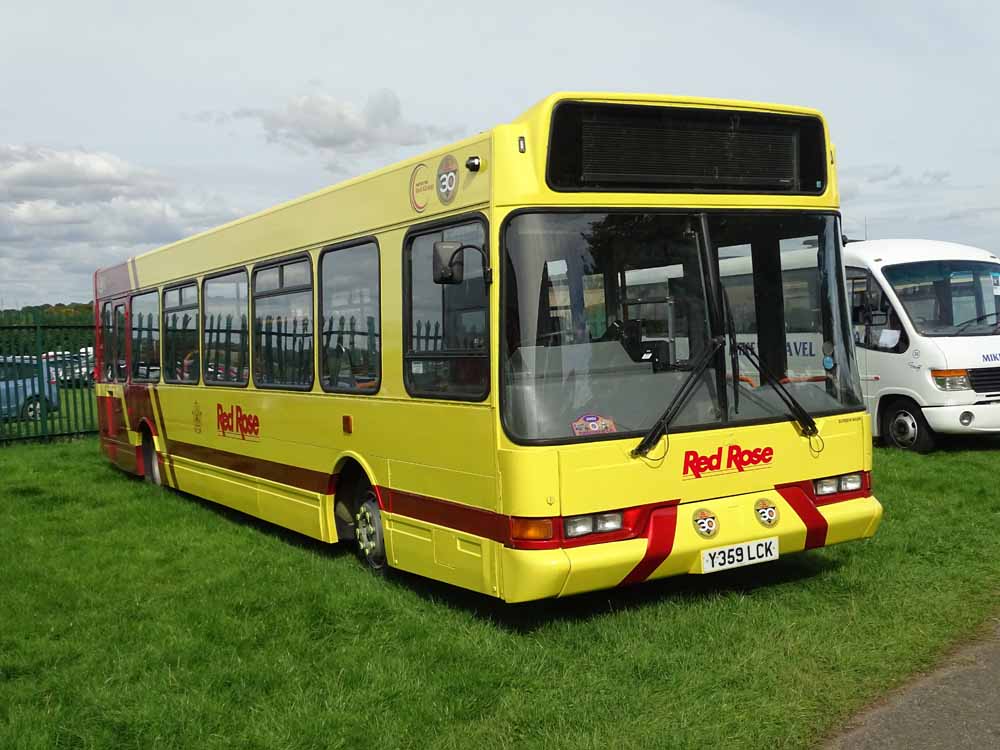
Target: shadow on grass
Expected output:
[260,526]
[531,616]
[956,443]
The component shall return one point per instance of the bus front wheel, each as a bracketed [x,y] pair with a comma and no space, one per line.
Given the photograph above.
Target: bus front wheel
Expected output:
[904,426]
[369,533]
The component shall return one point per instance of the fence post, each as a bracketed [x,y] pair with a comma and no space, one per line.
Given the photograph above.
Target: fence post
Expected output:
[43,382]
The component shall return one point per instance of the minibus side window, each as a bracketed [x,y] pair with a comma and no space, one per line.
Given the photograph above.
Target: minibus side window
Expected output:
[874,320]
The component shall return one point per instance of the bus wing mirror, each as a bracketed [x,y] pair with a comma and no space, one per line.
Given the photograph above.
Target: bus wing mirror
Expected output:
[449,263]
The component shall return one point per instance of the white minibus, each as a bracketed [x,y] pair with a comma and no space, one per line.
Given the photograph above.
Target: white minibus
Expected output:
[926,319]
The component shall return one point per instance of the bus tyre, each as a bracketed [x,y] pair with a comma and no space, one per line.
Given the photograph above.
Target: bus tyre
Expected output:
[150,463]
[904,426]
[368,532]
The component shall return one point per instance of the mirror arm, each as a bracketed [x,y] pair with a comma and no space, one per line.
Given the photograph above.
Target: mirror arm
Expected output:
[487,271]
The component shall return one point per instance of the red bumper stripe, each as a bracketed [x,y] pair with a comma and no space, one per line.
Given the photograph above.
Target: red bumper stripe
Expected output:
[659,544]
[816,526]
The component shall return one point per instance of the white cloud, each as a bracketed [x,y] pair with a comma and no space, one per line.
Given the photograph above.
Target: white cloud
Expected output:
[335,128]
[64,213]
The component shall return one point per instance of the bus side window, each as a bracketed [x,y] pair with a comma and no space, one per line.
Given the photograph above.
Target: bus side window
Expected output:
[446,351]
[350,343]
[107,345]
[121,363]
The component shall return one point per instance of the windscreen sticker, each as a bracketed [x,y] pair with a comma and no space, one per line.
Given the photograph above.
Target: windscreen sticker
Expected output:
[593,424]
[996,283]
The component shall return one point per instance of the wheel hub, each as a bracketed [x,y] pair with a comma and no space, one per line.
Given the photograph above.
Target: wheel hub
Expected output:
[904,429]
[365,530]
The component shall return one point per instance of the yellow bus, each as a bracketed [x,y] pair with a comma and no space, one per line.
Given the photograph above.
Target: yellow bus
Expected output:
[512,364]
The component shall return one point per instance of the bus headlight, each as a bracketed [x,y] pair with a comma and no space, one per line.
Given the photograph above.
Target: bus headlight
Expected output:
[850,482]
[827,486]
[607,522]
[578,525]
[951,380]
[843,483]
[598,523]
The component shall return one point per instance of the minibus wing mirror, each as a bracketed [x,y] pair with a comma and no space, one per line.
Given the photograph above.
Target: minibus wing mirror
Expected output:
[449,263]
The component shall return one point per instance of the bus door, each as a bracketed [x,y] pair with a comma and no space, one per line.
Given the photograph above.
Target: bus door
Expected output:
[879,337]
[114,367]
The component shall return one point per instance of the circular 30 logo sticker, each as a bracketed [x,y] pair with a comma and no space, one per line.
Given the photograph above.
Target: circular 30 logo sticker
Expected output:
[705,523]
[447,179]
[766,512]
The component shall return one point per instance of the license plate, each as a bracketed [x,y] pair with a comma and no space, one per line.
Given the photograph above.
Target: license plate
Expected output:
[738,555]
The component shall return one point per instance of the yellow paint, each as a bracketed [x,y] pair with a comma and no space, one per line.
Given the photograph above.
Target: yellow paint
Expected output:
[459,451]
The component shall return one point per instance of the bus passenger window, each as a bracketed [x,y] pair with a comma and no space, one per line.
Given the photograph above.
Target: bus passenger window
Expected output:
[146,337]
[446,349]
[180,335]
[121,365]
[282,326]
[107,345]
[350,349]
[224,340]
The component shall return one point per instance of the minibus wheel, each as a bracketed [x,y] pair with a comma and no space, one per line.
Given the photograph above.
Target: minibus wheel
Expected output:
[368,531]
[904,426]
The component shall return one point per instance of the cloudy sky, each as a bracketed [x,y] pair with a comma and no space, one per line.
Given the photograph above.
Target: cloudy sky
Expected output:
[125,127]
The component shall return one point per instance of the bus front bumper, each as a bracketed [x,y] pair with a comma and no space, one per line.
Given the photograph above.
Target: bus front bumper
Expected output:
[947,419]
[539,574]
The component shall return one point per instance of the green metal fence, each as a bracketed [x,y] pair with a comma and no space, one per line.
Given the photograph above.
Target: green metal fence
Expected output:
[46,381]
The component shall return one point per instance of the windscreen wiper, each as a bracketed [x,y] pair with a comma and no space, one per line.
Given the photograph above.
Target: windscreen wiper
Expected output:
[807,425]
[734,350]
[659,428]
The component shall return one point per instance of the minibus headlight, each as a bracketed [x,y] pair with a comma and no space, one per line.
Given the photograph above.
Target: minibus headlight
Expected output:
[827,486]
[607,522]
[578,525]
[850,482]
[951,380]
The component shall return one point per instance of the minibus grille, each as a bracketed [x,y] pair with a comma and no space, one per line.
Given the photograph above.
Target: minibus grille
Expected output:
[985,379]
[644,148]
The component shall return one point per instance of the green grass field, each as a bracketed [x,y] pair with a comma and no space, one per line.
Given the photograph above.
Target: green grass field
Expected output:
[132,617]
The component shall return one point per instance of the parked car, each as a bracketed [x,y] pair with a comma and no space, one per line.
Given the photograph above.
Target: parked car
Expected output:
[22,395]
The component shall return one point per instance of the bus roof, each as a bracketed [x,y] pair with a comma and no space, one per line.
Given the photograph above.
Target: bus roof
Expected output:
[310,219]
[877,253]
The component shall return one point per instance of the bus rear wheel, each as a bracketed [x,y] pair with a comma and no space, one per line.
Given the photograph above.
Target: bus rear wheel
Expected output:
[904,426]
[150,463]
[368,532]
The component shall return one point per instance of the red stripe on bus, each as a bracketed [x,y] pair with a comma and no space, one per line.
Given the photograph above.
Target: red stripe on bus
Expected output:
[464,518]
[659,544]
[816,526]
[305,479]
[165,438]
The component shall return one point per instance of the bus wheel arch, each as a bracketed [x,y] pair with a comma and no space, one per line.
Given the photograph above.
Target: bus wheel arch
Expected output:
[902,425]
[357,512]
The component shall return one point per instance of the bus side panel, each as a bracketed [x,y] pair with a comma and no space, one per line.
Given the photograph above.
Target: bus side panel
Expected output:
[446,459]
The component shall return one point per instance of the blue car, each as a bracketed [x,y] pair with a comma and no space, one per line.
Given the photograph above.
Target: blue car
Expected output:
[21,394]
